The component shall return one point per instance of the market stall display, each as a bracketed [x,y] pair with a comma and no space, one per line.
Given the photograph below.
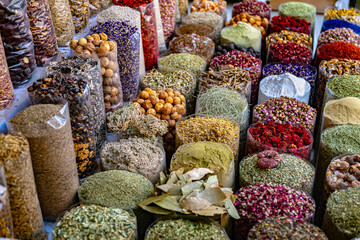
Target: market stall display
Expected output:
[254,20]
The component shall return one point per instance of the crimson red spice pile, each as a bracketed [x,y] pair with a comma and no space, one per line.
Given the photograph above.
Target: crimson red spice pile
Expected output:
[145,118]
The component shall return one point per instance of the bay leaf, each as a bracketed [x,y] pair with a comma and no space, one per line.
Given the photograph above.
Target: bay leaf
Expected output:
[213,195]
[190,187]
[151,200]
[198,173]
[169,203]
[212,181]
[210,211]
[157,210]
[230,208]
[163,178]
[194,203]
[166,187]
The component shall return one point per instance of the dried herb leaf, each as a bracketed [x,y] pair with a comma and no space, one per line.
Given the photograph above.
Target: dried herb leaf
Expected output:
[198,173]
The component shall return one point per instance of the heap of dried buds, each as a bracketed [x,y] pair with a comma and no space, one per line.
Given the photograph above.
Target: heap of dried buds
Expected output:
[279,23]
[263,200]
[252,7]
[289,53]
[286,110]
[282,138]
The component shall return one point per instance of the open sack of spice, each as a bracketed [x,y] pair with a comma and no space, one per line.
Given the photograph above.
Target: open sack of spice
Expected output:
[194,192]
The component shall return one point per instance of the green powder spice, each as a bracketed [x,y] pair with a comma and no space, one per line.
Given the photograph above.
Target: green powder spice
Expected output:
[243,34]
[185,229]
[215,156]
[96,222]
[115,188]
[343,209]
[344,86]
[298,10]
[182,61]
[291,171]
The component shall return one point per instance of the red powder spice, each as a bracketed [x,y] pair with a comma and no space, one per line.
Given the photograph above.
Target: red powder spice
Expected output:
[337,50]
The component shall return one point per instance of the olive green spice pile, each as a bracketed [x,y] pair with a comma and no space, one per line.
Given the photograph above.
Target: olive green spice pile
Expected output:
[115,188]
[299,10]
[343,208]
[160,81]
[211,155]
[185,229]
[291,171]
[345,86]
[96,222]
[285,228]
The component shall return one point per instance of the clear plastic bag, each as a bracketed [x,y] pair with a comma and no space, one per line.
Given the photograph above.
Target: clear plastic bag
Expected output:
[89,70]
[17,40]
[194,44]
[53,157]
[80,12]
[120,14]
[149,34]
[209,18]
[6,91]
[159,26]
[6,226]
[98,5]
[254,146]
[201,29]
[42,28]
[128,55]
[167,11]
[24,203]
[62,20]
[68,87]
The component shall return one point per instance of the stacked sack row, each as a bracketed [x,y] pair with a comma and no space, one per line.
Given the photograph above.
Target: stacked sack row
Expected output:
[165,124]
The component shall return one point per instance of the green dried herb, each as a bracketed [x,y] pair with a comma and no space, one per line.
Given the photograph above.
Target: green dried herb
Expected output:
[185,229]
[343,208]
[96,222]
[345,86]
[182,61]
[291,171]
[115,188]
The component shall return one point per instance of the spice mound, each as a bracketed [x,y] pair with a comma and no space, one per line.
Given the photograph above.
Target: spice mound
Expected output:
[345,86]
[217,157]
[343,214]
[243,34]
[262,200]
[115,188]
[283,138]
[285,228]
[342,111]
[224,103]
[286,36]
[253,20]
[226,76]
[342,173]
[286,110]
[224,48]
[338,35]
[182,61]
[288,85]
[212,129]
[194,44]
[299,10]
[337,50]
[134,155]
[291,171]
[289,53]
[252,7]
[86,222]
[205,30]
[279,23]
[185,229]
